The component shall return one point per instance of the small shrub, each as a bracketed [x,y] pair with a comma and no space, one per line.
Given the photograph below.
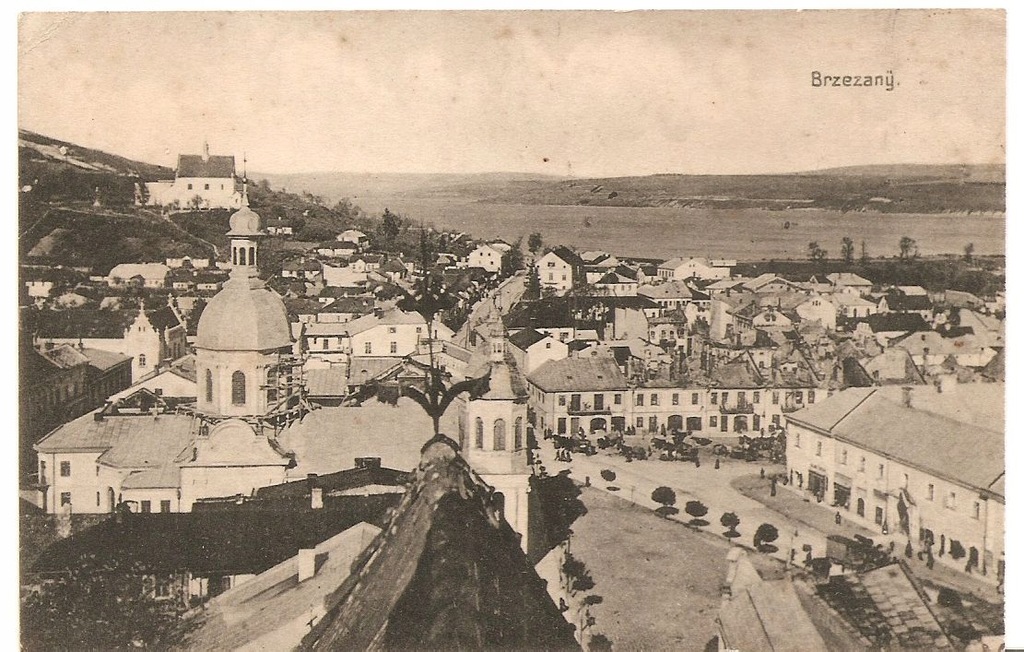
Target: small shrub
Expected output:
[600,643]
[730,521]
[697,510]
[664,496]
[765,534]
[608,475]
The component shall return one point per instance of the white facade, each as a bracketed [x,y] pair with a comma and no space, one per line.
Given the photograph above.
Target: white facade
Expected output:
[554,273]
[486,257]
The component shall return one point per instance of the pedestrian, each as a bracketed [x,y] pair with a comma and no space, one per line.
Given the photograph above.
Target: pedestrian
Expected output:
[773,486]
[696,461]
[839,518]
[762,473]
[718,463]
[792,555]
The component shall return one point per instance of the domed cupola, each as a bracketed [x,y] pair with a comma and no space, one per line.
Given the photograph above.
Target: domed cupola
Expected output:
[241,330]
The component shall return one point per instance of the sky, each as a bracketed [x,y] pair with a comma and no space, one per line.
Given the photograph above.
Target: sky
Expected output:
[579,93]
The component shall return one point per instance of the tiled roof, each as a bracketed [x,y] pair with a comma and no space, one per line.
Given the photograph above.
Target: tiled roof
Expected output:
[946,434]
[848,279]
[568,255]
[148,271]
[124,441]
[330,438]
[390,318]
[526,338]
[167,476]
[768,616]
[272,610]
[893,322]
[886,608]
[578,374]
[103,360]
[193,165]
[362,369]
[446,573]
[329,382]
[64,356]
[669,290]
[334,483]
[903,302]
[739,373]
[163,318]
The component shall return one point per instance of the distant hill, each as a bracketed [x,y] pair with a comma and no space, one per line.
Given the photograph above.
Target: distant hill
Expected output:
[991,173]
[886,189]
[338,185]
[877,188]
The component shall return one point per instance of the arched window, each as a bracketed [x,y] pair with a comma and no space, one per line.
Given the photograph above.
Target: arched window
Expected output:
[209,386]
[479,433]
[238,388]
[252,256]
[142,359]
[241,256]
[518,433]
[499,434]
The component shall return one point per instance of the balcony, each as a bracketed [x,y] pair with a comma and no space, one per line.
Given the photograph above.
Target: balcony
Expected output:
[790,407]
[587,410]
[739,408]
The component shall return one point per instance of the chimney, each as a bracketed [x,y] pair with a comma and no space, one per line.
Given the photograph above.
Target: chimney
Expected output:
[947,384]
[307,563]
[907,396]
[239,499]
[316,498]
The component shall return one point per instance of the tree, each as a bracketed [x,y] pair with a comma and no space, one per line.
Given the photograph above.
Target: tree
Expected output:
[730,521]
[817,254]
[599,643]
[390,227]
[512,261]
[698,511]
[847,250]
[766,533]
[534,242]
[195,203]
[102,604]
[969,253]
[533,289]
[667,498]
[908,246]
[864,252]
[608,475]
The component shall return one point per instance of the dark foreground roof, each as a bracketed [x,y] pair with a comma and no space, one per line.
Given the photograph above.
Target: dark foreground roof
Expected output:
[214,541]
[446,573]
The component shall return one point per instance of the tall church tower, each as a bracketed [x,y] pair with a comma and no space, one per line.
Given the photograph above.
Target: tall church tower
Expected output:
[241,333]
[492,431]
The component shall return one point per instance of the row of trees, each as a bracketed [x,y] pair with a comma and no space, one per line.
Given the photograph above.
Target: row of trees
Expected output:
[907,250]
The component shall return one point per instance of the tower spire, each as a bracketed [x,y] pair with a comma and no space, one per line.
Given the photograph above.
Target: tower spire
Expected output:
[245,182]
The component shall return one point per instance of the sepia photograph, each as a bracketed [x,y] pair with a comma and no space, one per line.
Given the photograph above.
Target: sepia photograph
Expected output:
[523,330]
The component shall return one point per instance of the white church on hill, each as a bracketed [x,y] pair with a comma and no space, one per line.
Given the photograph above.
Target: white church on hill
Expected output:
[201,181]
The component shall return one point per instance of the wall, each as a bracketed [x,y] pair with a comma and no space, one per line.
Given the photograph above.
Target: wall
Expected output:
[218,481]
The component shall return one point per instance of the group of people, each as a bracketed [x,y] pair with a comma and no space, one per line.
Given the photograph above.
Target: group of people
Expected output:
[563,455]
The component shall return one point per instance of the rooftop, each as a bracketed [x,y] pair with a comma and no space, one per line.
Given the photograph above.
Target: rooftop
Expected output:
[579,374]
[447,572]
[957,434]
[196,166]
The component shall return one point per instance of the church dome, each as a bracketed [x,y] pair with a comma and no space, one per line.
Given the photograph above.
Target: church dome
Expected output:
[245,222]
[244,316]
